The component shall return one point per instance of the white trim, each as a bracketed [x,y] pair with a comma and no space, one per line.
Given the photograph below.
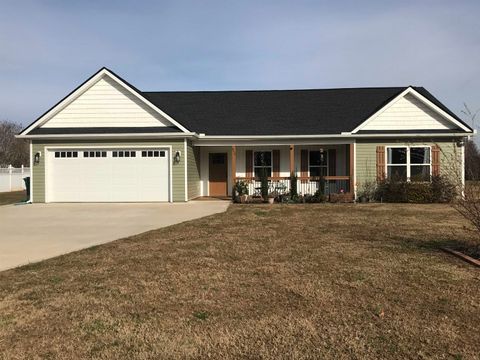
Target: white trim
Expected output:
[420,97]
[70,98]
[107,136]
[408,164]
[185,167]
[271,142]
[31,173]
[99,146]
[344,138]
[354,171]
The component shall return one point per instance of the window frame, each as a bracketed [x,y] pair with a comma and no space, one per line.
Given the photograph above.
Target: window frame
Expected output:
[319,166]
[259,167]
[408,163]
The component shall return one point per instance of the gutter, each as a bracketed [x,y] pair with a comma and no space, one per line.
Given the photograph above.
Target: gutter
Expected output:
[109,136]
[331,136]
[201,137]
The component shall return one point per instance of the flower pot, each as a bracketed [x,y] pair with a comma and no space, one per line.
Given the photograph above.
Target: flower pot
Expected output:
[243,199]
[271,200]
[363,199]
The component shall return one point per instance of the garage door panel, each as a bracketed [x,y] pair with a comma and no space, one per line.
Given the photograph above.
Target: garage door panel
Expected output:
[108,176]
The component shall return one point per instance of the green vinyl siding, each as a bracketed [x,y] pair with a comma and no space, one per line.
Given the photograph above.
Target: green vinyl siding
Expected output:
[193,171]
[38,171]
[366,156]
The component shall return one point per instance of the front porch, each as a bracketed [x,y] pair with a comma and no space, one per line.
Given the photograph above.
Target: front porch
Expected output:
[330,165]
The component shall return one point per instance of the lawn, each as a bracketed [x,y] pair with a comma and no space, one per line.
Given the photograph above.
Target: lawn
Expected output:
[12,197]
[284,281]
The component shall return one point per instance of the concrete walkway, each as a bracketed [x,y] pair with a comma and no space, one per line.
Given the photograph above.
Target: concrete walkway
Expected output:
[29,233]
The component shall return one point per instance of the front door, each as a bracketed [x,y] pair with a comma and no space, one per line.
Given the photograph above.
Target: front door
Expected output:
[218,174]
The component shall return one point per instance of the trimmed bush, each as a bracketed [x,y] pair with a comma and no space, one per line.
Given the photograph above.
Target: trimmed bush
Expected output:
[439,190]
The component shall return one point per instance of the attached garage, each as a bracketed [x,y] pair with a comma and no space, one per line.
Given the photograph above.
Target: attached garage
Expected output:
[107,174]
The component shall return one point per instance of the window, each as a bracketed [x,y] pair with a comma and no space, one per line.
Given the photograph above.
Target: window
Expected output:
[155,153]
[66,154]
[218,159]
[420,164]
[408,163]
[93,154]
[262,161]
[318,163]
[123,153]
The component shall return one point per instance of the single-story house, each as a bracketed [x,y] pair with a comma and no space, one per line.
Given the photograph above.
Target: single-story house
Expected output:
[107,141]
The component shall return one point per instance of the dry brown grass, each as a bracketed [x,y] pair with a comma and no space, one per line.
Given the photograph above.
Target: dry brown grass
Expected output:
[293,281]
[12,197]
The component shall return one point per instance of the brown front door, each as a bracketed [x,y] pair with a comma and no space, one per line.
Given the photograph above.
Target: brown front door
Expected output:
[218,174]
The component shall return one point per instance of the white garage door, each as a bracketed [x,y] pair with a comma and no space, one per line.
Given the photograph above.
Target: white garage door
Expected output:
[107,175]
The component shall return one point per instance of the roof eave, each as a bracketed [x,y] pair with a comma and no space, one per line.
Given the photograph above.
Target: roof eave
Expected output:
[179,135]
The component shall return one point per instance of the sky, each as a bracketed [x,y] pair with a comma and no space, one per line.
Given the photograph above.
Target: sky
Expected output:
[47,48]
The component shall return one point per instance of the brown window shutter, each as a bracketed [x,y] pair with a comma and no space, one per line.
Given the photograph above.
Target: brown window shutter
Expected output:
[380,163]
[332,162]
[276,163]
[304,164]
[435,160]
[249,163]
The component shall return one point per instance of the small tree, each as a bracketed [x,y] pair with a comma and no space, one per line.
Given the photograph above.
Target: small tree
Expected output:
[12,151]
[472,161]
[264,183]
[293,186]
[468,203]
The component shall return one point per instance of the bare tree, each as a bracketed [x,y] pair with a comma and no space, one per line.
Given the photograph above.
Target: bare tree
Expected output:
[468,205]
[472,161]
[471,115]
[13,151]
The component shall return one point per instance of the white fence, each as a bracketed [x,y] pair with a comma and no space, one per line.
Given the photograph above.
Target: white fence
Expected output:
[11,179]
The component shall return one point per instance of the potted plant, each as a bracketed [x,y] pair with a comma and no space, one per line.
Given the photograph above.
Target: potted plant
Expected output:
[240,189]
[271,198]
[367,191]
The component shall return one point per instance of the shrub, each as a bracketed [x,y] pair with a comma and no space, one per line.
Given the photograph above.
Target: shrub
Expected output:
[293,187]
[443,190]
[239,189]
[438,190]
[264,183]
[367,190]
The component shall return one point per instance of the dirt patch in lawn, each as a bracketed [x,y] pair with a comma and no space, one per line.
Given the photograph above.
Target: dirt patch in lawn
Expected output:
[259,281]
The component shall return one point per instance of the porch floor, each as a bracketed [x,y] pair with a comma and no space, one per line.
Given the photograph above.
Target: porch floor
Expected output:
[212,198]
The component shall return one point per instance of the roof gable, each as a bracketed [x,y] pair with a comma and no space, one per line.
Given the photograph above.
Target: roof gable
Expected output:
[409,113]
[104,101]
[412,111]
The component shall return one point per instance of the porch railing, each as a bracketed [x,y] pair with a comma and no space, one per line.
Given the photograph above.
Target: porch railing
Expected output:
[305,185]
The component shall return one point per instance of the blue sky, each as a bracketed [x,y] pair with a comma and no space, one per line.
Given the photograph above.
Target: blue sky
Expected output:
[47,48]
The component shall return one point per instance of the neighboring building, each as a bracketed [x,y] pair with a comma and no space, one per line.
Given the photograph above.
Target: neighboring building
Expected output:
[108,141]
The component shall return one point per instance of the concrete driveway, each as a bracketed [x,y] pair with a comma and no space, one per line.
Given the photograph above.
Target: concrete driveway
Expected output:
[30,233]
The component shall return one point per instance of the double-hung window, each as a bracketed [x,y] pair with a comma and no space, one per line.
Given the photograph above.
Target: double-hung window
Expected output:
[411,163]
[318,163]
[262,161]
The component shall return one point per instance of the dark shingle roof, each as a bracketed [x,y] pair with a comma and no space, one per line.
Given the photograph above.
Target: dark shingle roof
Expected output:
[277,112]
